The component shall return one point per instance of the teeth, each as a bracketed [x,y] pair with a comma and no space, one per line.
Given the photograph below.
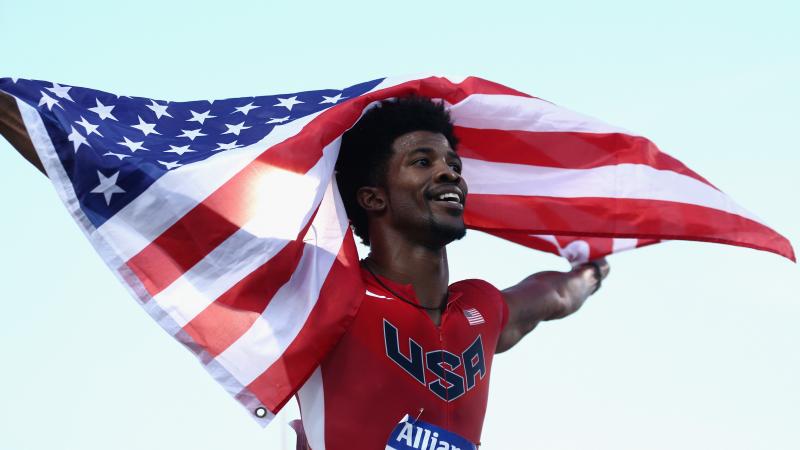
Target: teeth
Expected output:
[450,197]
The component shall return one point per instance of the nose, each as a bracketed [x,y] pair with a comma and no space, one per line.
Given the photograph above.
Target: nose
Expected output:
[446,174]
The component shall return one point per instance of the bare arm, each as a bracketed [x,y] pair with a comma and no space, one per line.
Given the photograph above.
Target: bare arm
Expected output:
[13,129]
[547,296]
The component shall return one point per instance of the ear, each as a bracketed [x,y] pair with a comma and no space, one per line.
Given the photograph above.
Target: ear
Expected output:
[371,198]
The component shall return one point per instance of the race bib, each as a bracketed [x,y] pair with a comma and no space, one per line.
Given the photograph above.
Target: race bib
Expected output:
[412,434]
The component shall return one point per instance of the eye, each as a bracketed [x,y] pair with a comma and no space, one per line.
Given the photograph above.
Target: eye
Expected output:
[423,162]
[456,167]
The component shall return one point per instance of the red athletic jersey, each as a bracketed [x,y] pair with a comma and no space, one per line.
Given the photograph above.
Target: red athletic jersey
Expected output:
[393,360]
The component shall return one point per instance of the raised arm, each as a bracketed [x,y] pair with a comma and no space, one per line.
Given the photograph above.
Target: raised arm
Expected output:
[548,296]
[13,129]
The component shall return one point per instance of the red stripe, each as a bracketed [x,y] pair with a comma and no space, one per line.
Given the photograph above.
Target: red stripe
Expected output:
[336,307]
[220,215]
[234,312]
[229,207]
[614,217]
[570,150]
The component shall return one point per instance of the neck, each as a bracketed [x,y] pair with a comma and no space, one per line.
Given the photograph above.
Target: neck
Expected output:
[409,263]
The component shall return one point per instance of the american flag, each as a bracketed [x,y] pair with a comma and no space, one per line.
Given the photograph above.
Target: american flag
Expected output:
[223,217]
[473,316]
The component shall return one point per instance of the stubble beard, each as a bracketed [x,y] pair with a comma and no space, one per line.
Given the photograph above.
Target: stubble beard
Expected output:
[442,234]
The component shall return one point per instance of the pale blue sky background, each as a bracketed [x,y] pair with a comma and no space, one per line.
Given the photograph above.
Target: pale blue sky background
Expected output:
[689,346]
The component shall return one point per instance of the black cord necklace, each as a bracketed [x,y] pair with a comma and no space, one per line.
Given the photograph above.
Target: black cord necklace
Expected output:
[439,308]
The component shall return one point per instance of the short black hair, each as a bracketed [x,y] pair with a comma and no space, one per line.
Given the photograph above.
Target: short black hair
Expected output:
[367,147]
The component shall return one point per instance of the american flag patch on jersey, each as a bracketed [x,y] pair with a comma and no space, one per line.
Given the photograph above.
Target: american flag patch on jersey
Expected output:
[473,316]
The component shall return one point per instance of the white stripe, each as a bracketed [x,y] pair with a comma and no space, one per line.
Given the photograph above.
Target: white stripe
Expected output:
[266,340]
[622,244]
[312,406]
[40,139]
[628,181]
[178,191]
[473,316]
[511,112]
[576,252]
[258,240]
[277,220]
[55,171]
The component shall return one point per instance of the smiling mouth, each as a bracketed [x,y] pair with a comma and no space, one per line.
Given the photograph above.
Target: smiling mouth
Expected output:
[449,197]
[449,200]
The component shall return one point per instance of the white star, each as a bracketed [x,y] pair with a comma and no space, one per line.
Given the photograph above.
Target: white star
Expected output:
[103,111]
[77,139]
[223,146]
[49,101]
[245,109]
[278,120]
[288,102]
[179,150]
[169,165]
[90,128]
[336,98]
[133,146]
[14,79]
[61,91]
[200,117]
[191,134]
[145,127]
[121,156]
[108,186]
[235,129]
[160,110]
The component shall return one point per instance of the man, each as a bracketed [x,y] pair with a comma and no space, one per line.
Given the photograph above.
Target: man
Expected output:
[417,346]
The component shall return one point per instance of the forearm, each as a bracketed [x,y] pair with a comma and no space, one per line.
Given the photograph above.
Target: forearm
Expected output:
[548,296]
[13,129]
[553,295]
[574,288]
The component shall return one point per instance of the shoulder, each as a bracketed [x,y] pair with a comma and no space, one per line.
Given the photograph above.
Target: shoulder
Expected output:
[475,285]
[483,295]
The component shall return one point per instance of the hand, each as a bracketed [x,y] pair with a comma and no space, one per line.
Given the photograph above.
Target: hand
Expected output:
[13,129]
[7,105]
[598,270]
[604,267]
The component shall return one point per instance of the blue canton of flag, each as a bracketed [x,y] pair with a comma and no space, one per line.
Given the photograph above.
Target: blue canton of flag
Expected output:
[117,146]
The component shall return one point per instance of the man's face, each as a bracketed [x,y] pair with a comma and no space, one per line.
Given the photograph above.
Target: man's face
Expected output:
[425,191]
